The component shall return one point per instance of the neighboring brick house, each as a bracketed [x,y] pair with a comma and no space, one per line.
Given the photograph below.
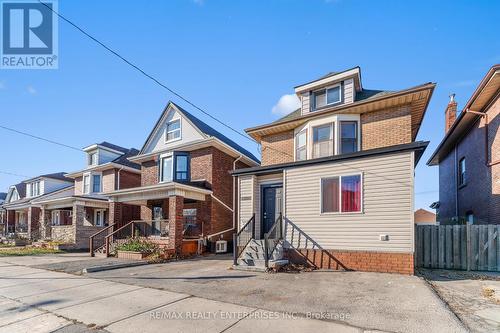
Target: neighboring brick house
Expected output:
[22,215]
[424,217]
[469,157]
[72,215]
[3,215]
[186,192]
[337,178]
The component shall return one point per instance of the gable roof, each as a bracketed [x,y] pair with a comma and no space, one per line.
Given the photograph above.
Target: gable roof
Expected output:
[21,190]
[203,127]
[123,159]
[57,176]
[486,92]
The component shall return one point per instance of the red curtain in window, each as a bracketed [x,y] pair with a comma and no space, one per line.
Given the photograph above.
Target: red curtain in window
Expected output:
[351,193]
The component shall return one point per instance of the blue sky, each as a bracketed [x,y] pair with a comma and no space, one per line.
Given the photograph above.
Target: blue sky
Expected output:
[236,59]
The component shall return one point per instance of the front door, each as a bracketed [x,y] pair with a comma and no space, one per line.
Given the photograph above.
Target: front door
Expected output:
[272,198]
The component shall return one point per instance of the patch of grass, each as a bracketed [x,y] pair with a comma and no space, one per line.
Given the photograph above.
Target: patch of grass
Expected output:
[27,251]
[6,245]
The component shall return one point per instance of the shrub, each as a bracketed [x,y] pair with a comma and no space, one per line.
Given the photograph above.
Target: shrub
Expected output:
[138,245]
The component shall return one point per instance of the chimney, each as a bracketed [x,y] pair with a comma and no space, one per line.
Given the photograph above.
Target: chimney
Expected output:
[450,114]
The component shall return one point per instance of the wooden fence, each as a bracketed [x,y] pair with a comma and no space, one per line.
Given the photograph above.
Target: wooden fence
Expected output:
[465,247]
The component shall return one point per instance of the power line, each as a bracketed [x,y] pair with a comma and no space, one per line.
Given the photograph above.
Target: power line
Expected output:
[39,138]
[149,76]
[14,174]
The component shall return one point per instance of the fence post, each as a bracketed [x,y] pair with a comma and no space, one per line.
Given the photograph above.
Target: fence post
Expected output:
[468,245]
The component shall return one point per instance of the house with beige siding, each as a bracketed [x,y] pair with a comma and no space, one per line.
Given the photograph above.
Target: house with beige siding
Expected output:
[71,215]
[335,188]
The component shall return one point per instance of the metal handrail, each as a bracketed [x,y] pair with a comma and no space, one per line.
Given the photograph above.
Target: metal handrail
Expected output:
[278,222]
[92,237]
[237,235]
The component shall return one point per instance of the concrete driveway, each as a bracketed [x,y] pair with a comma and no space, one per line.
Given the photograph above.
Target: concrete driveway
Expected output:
[37,300]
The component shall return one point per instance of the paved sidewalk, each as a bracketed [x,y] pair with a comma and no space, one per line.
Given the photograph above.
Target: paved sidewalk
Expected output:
[36,300]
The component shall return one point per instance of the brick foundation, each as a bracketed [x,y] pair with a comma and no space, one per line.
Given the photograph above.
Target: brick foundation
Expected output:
[367,261]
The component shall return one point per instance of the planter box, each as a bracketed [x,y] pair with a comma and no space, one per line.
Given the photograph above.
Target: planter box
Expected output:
[131,255]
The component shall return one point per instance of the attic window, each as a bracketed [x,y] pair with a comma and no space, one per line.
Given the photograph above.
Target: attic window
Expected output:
[173,130]
[328,96]
[93,158]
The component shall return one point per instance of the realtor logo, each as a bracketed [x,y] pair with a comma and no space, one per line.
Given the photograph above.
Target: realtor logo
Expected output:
[29,35]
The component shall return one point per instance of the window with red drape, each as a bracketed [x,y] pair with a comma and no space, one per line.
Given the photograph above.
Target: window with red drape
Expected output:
[351,193]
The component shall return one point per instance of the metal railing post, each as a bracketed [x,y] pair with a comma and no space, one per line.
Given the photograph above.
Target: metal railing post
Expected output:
[266,257]
[235,249]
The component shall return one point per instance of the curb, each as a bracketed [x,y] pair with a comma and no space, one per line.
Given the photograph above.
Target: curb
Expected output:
[113,266]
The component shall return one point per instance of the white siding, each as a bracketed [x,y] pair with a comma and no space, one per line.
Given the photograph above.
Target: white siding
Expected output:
[245,199]
[306,105]
[387,206]
[348,91]
[188,133]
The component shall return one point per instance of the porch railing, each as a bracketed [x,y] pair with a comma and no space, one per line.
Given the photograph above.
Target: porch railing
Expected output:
[242,238]
[272,238]
[96,241]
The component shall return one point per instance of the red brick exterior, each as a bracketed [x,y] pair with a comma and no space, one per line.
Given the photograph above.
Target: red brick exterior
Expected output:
[481,194]
[450,114]
[149,173]
[33,222]
[277,148]
[128,179]
[110,178]
[367,261]
[175,217]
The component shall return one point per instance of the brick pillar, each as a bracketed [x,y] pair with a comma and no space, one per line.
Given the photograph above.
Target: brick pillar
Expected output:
[11,220]
[146,212]
[33,222]
[115,213]
[175,207]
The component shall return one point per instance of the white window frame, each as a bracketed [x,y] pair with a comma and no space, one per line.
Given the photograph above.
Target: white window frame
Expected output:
[296,147]
[96,154]
[162,156]
[83,183]
[179,129]
[340,212]
[102,221]
[339,85]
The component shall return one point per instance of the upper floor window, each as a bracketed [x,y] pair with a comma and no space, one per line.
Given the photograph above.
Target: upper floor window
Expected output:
[323,141]
[173,130]
[93,158]
[348,137]
[327,96]
[96,183]
[174,167]
[462,179]
[34,189]
[86,184]
[301,146]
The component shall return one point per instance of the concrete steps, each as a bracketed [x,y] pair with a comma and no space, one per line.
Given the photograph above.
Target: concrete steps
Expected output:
[253,257]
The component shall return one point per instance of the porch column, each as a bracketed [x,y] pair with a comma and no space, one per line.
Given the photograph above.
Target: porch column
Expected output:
[175,207]
[115,213]
[33,219]
[11,220]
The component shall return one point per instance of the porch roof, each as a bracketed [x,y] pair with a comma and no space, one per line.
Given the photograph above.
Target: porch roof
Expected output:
[60,202]
[160,191]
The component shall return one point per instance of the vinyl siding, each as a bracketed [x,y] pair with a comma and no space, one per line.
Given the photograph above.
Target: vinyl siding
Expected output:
[245,199]
[348,91]
[306,105]
[261,180]
[387,206]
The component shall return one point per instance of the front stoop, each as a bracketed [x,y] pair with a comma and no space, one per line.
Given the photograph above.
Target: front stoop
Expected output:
[253,257]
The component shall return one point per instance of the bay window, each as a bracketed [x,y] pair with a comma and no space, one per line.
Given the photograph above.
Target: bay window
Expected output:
[301,146]
[341,194]
[323,141]
[173,130]
[174,167]
[348,137]
[181,167]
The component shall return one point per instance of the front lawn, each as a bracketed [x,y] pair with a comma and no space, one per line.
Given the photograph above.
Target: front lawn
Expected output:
[27,251]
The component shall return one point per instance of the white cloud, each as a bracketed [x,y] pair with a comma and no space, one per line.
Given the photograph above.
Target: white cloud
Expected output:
[31,90]
[286,104]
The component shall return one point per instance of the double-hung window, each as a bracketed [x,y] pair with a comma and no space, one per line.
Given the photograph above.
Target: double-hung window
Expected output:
[348,137]
[96,183]
[328,96]
[341,194]
[462,179]
[86,184]
[93,158]
[173,130]
[301,146]
[323,141]
[181,167]
[56,217]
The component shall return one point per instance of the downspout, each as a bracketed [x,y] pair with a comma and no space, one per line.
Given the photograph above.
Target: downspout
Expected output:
[118,180]
[234,202]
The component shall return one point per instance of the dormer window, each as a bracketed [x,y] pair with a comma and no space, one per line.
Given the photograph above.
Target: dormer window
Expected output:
[173,130]
[93,158]
[34,189]
[328,96]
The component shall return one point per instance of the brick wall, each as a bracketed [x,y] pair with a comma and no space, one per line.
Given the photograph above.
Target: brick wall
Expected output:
[108,180]
[129,179]
[385,128]
[149,173]
[481,194]
[367,261]
[277,148]
[201,166]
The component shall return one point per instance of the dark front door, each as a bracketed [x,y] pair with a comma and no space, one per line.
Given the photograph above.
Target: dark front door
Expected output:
[272,197]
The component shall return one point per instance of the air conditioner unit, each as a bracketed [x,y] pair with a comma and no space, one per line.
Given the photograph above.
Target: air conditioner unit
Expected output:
[221,246]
